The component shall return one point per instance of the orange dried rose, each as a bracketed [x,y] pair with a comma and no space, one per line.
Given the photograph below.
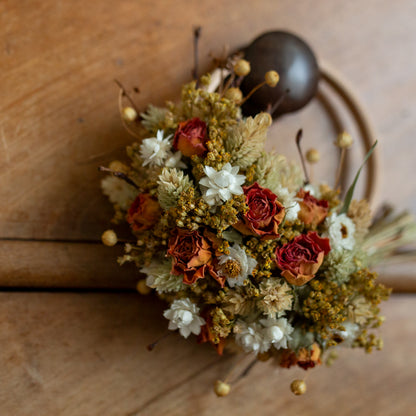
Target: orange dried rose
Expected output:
[304,358]
[312,211]
[207,335]
[193,256]
[300,259]
[144,212]
[190,137]
[264,215]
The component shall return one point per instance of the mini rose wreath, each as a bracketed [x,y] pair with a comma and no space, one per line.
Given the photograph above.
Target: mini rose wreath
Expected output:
[249,255]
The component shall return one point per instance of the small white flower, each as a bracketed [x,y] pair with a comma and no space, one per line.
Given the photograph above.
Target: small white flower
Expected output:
[349,334]
[249,336]
[218,187]
[259,337]
[246,264]
[289,201]
[341,231]
[313,190]
[173,160]
[155,150]
[276,332]
[183,315]
[118,191]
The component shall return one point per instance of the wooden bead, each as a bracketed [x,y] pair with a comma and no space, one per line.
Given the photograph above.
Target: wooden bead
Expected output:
[109,238]
[296,65]
[298,387]
[221,388]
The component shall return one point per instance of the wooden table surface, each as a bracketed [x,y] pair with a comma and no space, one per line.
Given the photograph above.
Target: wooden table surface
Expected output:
[83,353]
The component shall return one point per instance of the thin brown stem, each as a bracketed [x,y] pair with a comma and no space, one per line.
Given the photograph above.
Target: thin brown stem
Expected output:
[253,91]
[197,34]
[340,167]
[247,370]
[279,101]
[120,109]
[233,368]
[126,94]
[120,175]
[298,140]
[152,346]
[229,83]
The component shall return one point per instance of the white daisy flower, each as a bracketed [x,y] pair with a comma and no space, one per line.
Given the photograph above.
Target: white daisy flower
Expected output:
[155,150]
[276,332]
[220,186]
[183,315]
[341,231]
[249,337]
[241,264]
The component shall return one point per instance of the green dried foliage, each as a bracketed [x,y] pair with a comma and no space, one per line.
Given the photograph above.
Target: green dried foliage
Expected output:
[171,183]
[273,171]
[153,119]
[160,277]
[245,142]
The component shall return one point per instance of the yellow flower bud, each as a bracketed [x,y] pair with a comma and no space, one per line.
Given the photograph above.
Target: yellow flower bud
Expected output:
[344,140]
[234,94]
[298,387]
[118,166]
[221,388]
[129,113]
[242,68]
[142,288]
[109,238]
[312,156]
[271,78]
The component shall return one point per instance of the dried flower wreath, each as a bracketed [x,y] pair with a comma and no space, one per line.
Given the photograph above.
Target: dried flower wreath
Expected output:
[248,254]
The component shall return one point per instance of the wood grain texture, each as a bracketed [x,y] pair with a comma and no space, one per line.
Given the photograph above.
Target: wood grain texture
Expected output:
[84,354]
[36,264]
[58,109]
[71,265]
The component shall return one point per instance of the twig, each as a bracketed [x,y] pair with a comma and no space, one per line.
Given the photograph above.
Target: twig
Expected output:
[120,175]
[125,94]
[340,166]
[197,34]
[298,140]
[280,100]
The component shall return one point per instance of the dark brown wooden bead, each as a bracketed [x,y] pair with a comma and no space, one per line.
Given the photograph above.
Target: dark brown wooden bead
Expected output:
[296,64]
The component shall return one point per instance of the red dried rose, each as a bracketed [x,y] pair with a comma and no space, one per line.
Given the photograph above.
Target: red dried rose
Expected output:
[144,212]
[300,259]
[264,215]
[312,211]
[190,137]
[193,255]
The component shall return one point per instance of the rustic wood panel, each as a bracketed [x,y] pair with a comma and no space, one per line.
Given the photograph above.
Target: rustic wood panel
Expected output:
[58,112]
[42,264]
[34,264]
[58,108]
[84,354]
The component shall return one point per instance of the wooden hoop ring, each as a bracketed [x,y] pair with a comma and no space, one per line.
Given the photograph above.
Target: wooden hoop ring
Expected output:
[342,88]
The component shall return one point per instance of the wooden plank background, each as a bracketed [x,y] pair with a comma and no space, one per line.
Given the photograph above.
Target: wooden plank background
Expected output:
[58,110]
[74,354]
[83,353]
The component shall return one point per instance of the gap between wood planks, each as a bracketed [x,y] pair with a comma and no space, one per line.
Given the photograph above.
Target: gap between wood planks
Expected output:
[88,265]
